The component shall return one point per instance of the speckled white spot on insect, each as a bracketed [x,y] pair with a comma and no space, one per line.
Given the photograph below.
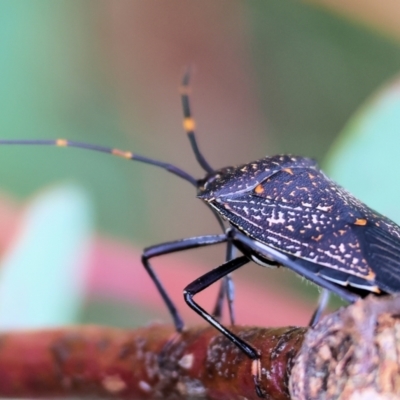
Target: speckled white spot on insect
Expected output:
[324,208]
[335,257]
[273,239]
[314,218]
[276,220]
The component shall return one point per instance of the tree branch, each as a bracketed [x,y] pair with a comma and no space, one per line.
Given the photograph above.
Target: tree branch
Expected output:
[150,362]
[351,354]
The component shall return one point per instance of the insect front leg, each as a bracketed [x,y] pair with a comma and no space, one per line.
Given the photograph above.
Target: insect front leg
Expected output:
[172,247]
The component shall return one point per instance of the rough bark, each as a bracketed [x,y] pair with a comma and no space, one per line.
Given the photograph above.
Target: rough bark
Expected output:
[152,362]
[353,354]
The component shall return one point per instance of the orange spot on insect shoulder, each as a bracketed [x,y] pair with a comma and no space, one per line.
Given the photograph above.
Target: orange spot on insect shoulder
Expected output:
[259,189]
[288,170]
[360,221]
[61,143]
[189,124]
[123,154]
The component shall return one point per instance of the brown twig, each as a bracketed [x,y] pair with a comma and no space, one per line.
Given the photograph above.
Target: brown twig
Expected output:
[151,362]
[351,354]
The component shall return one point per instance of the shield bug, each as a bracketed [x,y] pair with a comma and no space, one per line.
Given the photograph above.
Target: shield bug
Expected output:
[281,211]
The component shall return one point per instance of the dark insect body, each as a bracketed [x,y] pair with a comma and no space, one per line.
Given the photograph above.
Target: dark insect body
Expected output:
[288,203]
[281,211]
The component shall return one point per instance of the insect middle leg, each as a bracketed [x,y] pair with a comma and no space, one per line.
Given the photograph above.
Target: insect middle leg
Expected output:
[204,282]
[172,247]
[226,289]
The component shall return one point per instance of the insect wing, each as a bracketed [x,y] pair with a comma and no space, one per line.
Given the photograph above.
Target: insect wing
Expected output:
[380,242]
[303,213]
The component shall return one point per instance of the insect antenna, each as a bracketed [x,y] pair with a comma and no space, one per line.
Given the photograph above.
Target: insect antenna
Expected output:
[115,152]
[189,124]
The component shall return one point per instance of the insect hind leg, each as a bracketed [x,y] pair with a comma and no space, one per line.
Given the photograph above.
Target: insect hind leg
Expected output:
[321,306]
[204,282]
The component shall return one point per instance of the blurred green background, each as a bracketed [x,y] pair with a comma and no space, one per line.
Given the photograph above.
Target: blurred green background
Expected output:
[270,77]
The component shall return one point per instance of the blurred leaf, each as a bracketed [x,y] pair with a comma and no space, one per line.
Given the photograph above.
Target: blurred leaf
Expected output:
[365,159]
[313,70]
[42,275]
[382,15]
[55,83]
